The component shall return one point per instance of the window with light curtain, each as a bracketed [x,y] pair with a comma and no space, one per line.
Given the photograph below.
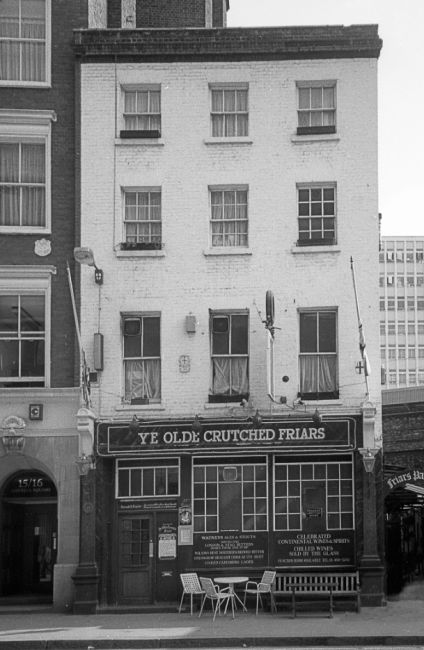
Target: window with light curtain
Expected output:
[229,112]
[230,358]
[142,110]
[316,107]
[142,218]
[142,363]
[23,43]
[318,355]
[22,183]
[229,223]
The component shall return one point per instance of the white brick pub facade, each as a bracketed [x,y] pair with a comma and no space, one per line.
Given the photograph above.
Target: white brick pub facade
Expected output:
[216,166]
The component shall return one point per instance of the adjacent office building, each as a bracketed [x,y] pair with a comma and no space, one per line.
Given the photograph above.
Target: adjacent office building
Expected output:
[402,311]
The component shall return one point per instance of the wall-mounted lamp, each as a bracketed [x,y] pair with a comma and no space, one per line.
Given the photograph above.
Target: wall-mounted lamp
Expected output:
[84,255]
[134,426]
[84,464]
[368,458]
[317,418]
[256,420]
[197,425]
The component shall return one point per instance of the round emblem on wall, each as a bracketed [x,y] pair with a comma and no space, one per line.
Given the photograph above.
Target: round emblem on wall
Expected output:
[88,508]
[43,247]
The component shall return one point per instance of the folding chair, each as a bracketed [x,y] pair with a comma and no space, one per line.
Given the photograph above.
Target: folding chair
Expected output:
[216,596]
[262,587]
[191,587]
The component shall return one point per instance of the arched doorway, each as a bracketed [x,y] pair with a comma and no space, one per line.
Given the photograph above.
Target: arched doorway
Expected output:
[28,534]
[404,510]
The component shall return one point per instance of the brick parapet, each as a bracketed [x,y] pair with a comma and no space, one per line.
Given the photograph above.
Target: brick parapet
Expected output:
[317,42]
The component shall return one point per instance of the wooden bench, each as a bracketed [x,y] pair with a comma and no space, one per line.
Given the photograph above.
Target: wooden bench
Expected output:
[315,587]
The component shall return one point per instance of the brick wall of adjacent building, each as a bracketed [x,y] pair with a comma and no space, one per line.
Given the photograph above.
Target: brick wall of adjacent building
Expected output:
[185,278]
[19,249]
[170,13]
[162,13]
[218,14]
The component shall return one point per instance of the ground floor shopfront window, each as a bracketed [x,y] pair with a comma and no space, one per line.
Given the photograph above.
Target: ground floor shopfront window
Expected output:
[230,496]
[273,511]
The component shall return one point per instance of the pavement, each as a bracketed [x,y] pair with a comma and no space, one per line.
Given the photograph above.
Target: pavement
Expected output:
[399,623]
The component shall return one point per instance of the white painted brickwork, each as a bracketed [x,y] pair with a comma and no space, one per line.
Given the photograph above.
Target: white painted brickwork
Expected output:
[184,280]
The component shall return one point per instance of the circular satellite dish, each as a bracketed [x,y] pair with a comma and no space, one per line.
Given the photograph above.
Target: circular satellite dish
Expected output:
[269,308]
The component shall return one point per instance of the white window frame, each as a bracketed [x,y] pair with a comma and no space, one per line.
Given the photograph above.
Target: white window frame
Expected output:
[46,83]
[231,397]
[321,128]
[27,280]
[141,315]
[141,246]
[229,86]
[30,126]
[140,88]
[200,504]
[412,378]
[318,354]
[311,240]
[153,464]
[392,352]
[227,236]
[392,377]
[293,498]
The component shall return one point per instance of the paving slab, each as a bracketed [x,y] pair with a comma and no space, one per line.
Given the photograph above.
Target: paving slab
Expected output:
[400,623]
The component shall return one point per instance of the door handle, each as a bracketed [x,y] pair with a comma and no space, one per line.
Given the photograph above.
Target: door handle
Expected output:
[151,549]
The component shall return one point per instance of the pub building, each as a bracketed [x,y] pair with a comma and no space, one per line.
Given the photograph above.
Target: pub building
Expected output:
[223,497]
[228,164]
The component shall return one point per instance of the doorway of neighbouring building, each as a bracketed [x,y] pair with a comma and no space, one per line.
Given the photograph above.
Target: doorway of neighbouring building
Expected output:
[404,543]
[28,535]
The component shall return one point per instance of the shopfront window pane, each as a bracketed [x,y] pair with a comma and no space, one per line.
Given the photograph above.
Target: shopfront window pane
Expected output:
[333,496]
[236,497]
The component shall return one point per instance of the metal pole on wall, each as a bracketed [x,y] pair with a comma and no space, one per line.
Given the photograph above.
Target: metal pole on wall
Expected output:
[362,349]
[84,378]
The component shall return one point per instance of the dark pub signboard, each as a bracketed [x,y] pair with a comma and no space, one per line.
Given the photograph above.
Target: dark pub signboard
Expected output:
[115,439]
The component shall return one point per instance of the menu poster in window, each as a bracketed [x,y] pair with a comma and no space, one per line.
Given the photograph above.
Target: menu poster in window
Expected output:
[331,548]
[167,542]
[185,535]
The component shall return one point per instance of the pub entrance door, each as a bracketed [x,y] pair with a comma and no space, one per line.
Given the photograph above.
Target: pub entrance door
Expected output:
[28,535]
[135,559]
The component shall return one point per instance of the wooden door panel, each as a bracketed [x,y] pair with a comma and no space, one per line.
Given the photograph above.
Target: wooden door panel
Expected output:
[135,562]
